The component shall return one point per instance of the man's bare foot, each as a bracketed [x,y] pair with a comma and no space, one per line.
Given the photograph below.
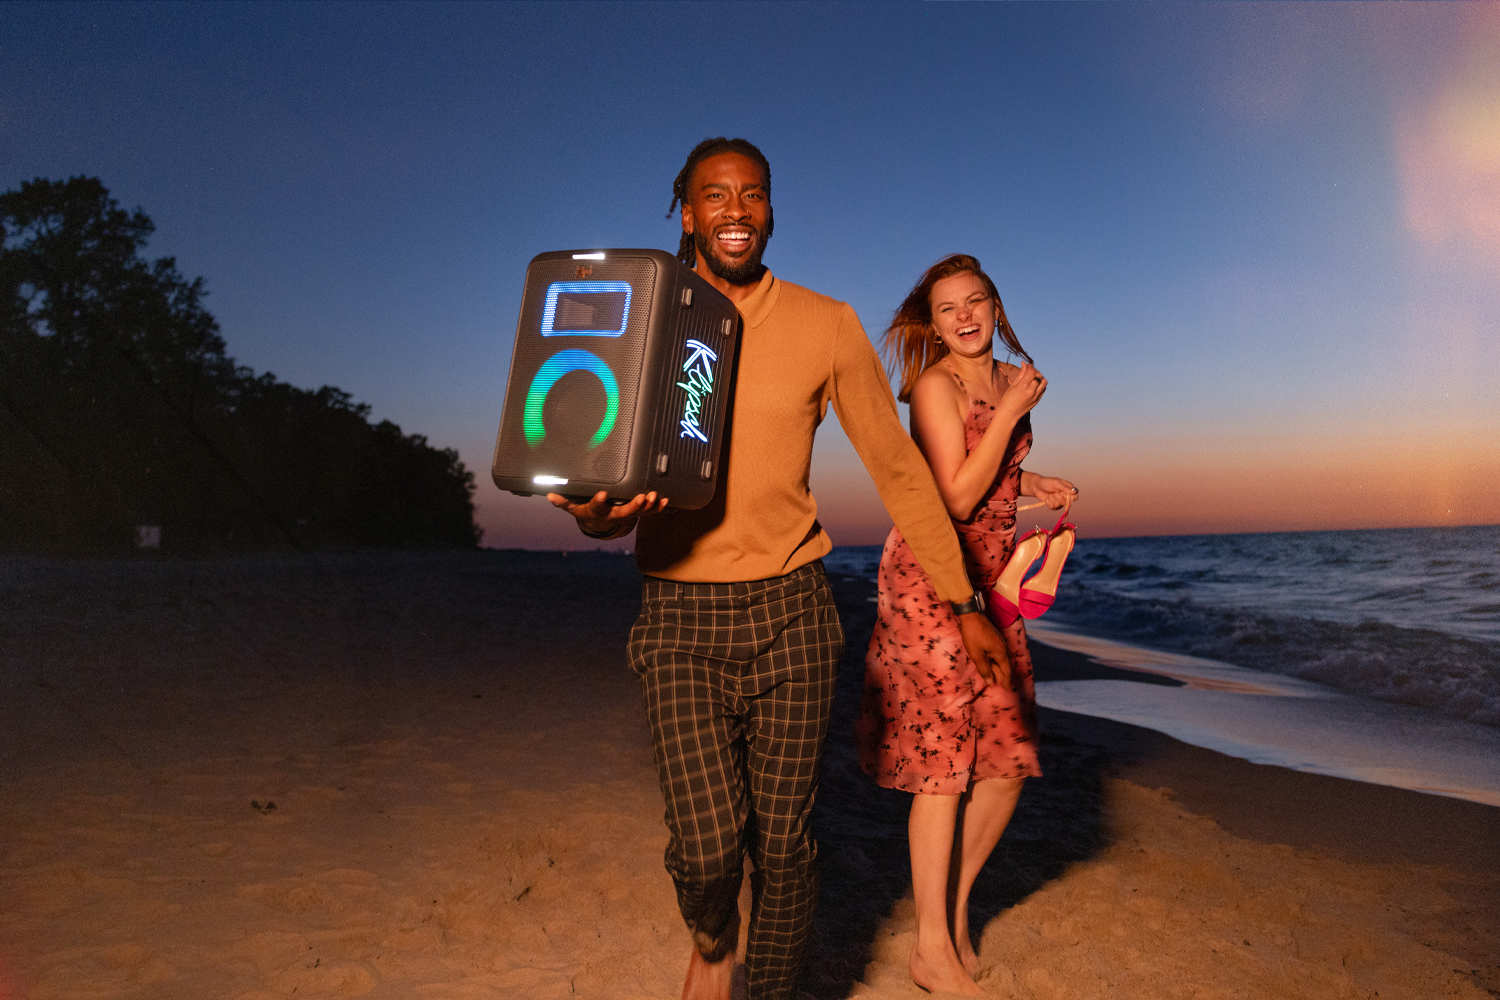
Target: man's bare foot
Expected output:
[708,980]
[938,969]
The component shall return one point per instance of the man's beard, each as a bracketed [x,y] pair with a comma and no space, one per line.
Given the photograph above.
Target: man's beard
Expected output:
[741,272]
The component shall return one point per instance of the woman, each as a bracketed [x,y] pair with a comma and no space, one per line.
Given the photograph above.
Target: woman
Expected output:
[930,723]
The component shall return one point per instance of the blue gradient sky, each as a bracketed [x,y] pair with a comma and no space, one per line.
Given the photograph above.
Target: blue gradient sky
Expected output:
[1255,248]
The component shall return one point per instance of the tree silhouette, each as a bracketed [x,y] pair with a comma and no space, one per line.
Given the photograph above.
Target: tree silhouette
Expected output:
[119,406]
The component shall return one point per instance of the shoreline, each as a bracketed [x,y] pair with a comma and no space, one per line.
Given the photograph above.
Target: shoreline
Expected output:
[465,806]
[1265,718]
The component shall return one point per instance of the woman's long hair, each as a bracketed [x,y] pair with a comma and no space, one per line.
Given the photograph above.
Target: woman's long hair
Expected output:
[911,345]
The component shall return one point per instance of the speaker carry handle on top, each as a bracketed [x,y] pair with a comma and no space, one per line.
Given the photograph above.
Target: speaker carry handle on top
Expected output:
[621,380]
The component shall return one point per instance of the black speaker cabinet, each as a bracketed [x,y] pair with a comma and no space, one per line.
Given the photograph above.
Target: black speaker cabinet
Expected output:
[621,379]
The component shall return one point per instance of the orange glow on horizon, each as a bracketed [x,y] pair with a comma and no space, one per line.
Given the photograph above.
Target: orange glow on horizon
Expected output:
[1224,485]
[1307,482]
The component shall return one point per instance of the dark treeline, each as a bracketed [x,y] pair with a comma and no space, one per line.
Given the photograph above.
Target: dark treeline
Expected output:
[119,408]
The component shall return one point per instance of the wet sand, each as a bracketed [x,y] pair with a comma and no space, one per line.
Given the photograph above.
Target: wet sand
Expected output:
[426,775]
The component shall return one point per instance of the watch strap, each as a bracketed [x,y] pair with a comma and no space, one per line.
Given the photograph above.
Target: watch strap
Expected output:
[973,604]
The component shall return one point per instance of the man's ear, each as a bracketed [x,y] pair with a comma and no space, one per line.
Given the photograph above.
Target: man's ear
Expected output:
[687,218]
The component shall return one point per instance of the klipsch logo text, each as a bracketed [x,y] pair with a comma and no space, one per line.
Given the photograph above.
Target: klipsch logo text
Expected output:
[699,384]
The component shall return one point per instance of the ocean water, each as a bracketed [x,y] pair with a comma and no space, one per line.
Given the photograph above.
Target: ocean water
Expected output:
[1372,654]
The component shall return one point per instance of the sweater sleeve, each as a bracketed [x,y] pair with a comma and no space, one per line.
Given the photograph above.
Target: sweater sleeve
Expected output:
[866,408]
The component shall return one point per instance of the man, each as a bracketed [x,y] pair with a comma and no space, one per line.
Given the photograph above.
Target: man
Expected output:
[738,641]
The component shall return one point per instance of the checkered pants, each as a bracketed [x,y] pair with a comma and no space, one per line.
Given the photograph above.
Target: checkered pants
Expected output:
[738,683]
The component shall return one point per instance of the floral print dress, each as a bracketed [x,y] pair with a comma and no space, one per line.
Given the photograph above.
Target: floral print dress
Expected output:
[929,722]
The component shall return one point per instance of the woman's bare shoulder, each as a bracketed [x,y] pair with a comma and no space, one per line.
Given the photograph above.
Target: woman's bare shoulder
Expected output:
[936,386]
[1007,369]
[937,376]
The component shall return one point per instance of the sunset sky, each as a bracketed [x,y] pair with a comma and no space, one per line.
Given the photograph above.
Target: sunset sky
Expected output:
[1254,247]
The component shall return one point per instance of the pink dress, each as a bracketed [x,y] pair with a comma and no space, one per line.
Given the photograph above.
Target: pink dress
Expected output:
[928,722]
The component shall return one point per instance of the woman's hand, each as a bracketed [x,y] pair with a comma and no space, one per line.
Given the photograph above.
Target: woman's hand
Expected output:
[1054,492]
[1026,388]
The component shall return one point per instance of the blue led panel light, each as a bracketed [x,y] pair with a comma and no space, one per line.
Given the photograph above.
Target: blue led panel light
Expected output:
[586,309]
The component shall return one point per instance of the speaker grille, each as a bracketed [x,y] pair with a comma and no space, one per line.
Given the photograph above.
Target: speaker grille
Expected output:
[573,392]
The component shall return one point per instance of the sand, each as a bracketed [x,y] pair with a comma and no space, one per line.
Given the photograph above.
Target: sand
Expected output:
[426,775]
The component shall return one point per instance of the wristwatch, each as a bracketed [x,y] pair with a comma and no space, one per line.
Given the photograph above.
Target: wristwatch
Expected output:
[973,604]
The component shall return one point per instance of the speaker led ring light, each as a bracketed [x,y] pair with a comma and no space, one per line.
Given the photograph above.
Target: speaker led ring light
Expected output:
[554,368]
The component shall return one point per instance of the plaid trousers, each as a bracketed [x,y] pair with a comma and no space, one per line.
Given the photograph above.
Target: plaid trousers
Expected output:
[738,682]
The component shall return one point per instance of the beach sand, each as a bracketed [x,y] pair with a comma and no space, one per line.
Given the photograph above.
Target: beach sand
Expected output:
[427,775]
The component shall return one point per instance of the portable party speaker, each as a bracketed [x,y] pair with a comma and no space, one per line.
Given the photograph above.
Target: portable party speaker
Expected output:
[621,379]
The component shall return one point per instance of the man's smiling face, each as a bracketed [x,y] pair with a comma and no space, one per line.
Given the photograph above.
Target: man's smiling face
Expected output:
[728,212]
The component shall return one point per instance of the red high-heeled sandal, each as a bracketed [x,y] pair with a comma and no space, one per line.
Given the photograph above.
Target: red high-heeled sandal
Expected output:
[1004,600]
[1038,593]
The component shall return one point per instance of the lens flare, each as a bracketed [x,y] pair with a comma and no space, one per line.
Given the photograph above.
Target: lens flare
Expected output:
[1449,144]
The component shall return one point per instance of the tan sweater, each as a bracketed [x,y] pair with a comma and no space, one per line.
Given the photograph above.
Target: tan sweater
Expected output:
[801,351]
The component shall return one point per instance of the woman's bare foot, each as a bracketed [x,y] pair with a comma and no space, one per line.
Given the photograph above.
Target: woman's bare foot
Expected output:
[938,969]
[966,956]
[708,980]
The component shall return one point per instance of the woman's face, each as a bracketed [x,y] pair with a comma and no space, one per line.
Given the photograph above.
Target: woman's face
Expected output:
[963,314]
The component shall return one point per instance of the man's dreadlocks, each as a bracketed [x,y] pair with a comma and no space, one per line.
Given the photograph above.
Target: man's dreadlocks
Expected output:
[687,252]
